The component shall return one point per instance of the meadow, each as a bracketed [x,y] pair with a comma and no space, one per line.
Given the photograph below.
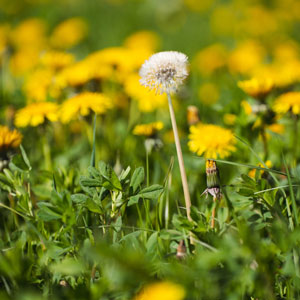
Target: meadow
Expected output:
[96,199]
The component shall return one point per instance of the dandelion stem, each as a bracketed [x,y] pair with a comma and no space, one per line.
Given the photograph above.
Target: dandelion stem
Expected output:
[213,213]
[180,160]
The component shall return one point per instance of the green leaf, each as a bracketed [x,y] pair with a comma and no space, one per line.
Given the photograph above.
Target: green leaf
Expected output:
[68,266]
[89,182]
[151,192]
[133,200]
[93,207]
[108,173]
[93,172]
[79,198]
[18,163]
[45,212]
[137,178]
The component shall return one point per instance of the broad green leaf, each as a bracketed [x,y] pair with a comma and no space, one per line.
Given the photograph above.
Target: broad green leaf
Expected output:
[151,192]
[79,198]
[45,212]
[137,178]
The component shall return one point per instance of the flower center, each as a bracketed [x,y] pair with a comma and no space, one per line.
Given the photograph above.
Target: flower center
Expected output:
[165,74]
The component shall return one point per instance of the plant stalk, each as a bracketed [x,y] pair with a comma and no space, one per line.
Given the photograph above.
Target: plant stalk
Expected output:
[180,160]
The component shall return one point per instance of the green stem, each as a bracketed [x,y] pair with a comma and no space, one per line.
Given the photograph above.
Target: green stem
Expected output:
[47,153]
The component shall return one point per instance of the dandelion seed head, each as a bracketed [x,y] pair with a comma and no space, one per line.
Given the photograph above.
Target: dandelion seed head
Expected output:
[164,71]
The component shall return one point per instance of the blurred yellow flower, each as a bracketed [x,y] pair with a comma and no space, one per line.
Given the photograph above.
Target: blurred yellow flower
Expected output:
[210,59]
[276,128]
[24,60]
[252,173]
[56,60]
[4,37]
[68,33]
[208,93]
[288,102]
[162,291]
[9,138]
[267,21]
[246,57]
[39,85]
[257,87]
[148,129]
[211,140]
[147,100]
[199,6]
[143,40]
[29,34]
[229,119]
[36,113]
[247,107]
[83,104]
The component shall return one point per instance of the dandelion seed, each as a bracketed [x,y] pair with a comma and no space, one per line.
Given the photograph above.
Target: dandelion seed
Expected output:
[164,71]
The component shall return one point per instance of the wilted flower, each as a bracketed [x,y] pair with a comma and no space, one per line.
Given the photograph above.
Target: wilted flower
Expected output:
[162,291]
[164,71]
[36,113]
[192,115]
[212,179]
[82,104]
[288,102]
[211,140]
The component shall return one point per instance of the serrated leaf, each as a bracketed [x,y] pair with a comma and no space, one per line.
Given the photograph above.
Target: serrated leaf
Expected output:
[137,178]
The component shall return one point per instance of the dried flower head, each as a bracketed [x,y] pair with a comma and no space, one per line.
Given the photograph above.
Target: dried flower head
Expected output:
[164,71]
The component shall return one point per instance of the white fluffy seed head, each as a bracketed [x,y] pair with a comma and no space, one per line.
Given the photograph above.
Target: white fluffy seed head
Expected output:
[164,71]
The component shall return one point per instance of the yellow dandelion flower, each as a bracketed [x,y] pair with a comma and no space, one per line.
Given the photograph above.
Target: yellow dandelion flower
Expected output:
[36,113]
[39,84]
[288,102]
[147,100]
[246,57]
[162,291]
[208,93]
[229,119]
[24,60]
[268,163]
[82,104]
[211,140]
[68,33]
[9,139]
[30,33]
[148,129]
[143,40]
[257,87]
[210,59]
[56,59]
